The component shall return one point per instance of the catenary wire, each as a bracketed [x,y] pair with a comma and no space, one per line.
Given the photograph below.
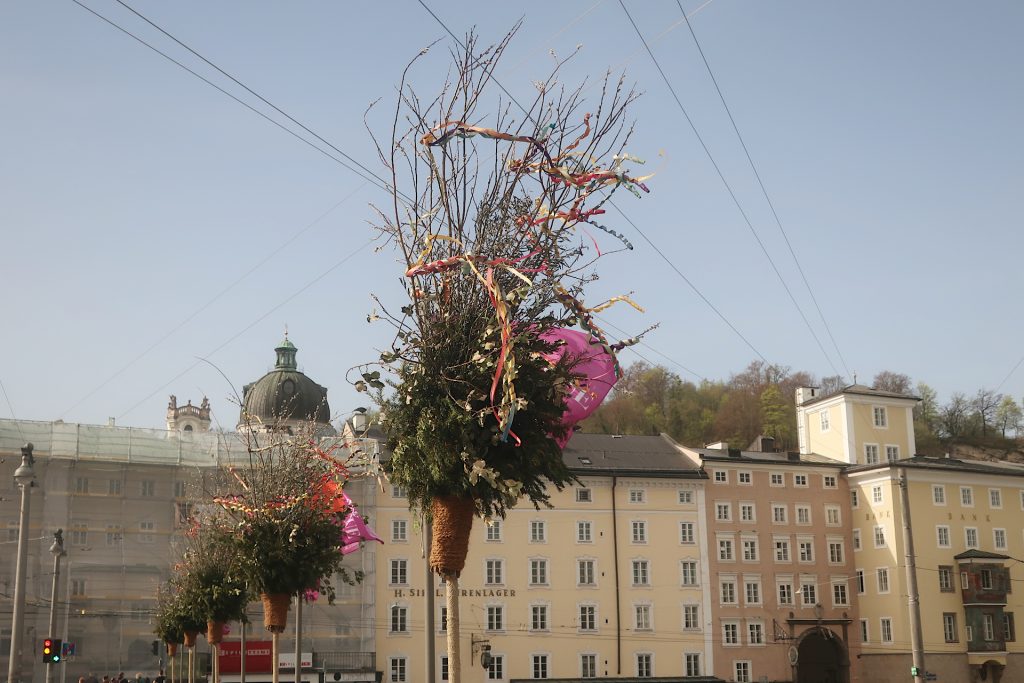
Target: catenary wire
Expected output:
[606,323]
[728,187]
[612,202]
[764,190]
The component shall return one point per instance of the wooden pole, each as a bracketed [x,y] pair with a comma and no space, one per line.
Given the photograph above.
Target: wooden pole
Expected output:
[275,674]
[452,601]
[298,637]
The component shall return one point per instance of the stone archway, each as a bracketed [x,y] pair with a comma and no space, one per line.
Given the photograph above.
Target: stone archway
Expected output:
[822,658]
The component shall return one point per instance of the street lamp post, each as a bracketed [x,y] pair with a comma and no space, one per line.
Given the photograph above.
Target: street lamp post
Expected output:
[24,476]
[57,549]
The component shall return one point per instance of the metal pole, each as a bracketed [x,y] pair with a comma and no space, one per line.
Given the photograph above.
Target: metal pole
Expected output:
[25,477]
[298,637]
[58,552]
[429,642]
[241,654]
[913,598]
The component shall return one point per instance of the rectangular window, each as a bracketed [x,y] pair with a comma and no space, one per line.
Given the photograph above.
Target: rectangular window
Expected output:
[742,672]
[588,618]
[538,572]
[689,572]
[999,538]
[686,532]
[800,480]
[114,535]
[892,453]
[583,496]
[949,629]
[881,418]
[823,420]
[779,514]
[146,531]
[833,517]
[81,485]
[995,498]
[876,494]
[540,666]
[967,496]
[399,572]
[721,477]
[750,550]
[641,573]
[114,488]
[859,578]
[755,633]
[399,619]
[856,540]
[644,665]
[539,617]
[776,479]
[494,572]
[803,514]
[942,536]
[691,617]
[692,662]
[538,532]
[398,492]
[585,573]
[494,531]
[938,494]
[986,579]
[886,630]
[781,550]
[79,535]
[829,481]
[725,550]
[399,530]
[971,537]
[495,618]
[747,512]
[723,512]
[730,633]
[179,489]
[989,626]
[639,532]
[78,588]
[879,536]
[643,617]
[806,550]
[785,594]
[728,592]
[882,575]
[946,579]
[870,454]
[588,666]
[864,631]
[1009,628]
[444,667]
[835,552]
[496,671]
[637,496]
[685,496]
[746,478]
[443,621]
[839,595]
[854,499]
[398,669]
[752,590]
[809,593]
[584,533]
[148,488]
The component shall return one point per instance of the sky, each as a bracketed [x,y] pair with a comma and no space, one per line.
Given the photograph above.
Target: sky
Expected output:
[158,237]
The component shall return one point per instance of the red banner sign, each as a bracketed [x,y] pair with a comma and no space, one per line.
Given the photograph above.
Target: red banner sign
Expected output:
[257,657]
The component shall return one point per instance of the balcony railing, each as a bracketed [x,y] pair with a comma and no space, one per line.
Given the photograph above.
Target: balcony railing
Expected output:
[345,661]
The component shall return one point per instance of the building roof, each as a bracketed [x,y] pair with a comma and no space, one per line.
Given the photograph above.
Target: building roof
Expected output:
[975,554]
[931,462]
[284,393]
[608,454]
[772,458]
[861,390]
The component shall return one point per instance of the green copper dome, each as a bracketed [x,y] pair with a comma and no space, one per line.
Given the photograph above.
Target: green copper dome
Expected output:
[284,394]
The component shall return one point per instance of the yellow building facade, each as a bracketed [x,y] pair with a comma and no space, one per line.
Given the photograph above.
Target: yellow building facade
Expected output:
[612,581]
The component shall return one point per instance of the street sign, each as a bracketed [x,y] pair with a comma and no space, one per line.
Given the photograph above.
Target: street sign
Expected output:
[67,649]
[929,676]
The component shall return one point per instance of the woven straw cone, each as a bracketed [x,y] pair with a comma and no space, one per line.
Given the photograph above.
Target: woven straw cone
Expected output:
[452,522]
[214,632]
[275,611]
[172,649]
[190,638]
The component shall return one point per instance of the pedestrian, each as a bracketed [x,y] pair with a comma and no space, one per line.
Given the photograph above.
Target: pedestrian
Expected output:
[160,677]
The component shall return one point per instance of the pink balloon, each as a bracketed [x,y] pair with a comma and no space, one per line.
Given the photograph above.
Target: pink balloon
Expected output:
[354,529]
[598,370]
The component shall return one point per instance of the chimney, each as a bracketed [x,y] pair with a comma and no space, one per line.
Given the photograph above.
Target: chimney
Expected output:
[763,444]
[110,422]
[804,394]
[793,456]
[718,446]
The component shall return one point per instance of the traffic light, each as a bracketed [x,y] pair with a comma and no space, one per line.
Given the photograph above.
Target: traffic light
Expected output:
[51,650]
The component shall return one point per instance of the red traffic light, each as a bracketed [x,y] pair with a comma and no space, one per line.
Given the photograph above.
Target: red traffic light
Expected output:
[51,650]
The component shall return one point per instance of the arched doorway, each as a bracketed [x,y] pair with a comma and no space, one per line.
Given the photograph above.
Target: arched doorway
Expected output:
[821,658]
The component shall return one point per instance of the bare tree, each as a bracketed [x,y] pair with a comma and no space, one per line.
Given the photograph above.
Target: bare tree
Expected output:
[896,382]
[984,404]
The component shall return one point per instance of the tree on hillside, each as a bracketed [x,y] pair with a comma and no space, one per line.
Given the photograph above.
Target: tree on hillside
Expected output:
[896,382]
[1008,415]
[954,417]
[984,404]
[775,420]
[831,384]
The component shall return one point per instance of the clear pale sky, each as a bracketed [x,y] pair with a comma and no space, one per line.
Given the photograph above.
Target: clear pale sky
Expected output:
[148,220]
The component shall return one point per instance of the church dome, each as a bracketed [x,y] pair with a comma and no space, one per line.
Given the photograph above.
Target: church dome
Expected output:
[284,398]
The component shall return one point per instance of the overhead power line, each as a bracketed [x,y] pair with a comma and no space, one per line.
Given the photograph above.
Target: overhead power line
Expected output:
[728,187]
[764,191]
